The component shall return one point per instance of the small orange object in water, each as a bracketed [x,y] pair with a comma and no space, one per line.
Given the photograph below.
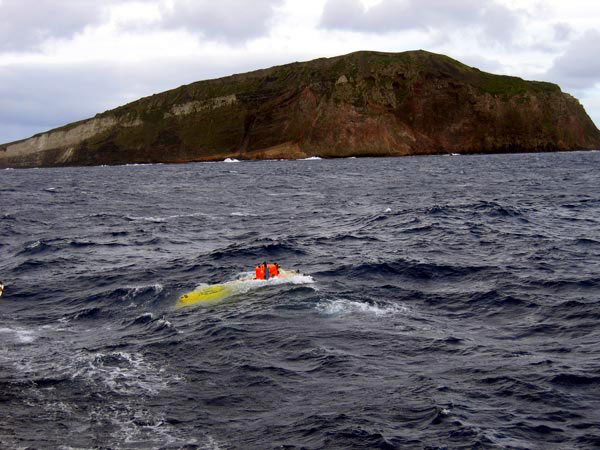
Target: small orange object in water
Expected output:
[265,271]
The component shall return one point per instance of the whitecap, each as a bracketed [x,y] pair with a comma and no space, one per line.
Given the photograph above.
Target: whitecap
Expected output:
[22,335]
[197,214]
[123,372]
[164,322]
[127,374]
[231,160]
[311,158]
[148,219]
[140,426]
[166,218]
[34,245]
[149,315]
[347,307]
[134,291]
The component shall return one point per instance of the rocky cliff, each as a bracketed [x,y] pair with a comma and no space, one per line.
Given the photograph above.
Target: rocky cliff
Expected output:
[361,104]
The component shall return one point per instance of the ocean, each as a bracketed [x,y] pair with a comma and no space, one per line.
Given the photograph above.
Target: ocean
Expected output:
[444,302]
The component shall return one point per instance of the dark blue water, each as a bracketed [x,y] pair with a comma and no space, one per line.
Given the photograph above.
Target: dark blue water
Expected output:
[455,303]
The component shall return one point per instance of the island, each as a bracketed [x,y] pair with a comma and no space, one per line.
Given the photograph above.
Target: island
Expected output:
[365,103]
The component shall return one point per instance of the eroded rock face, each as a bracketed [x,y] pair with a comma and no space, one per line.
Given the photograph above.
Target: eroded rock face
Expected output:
[361,104]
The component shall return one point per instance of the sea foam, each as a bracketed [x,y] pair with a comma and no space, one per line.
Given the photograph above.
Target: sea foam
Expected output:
[343,307]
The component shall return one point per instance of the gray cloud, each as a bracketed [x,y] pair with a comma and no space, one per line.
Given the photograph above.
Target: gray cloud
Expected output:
[24,27]
[495,20]
[578,68]
[37,97]
[562,31]
[561,34]
[229,20]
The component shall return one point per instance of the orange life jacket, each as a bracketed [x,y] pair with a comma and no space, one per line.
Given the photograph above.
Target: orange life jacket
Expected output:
[273,270]
[261,273]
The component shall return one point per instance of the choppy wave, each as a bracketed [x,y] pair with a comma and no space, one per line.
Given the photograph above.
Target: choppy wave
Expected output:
[443,302]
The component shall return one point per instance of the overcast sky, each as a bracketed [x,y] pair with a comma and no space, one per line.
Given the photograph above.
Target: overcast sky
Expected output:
[65,60]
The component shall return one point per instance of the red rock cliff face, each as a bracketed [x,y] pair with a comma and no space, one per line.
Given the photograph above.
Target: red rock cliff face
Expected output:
[362,104]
